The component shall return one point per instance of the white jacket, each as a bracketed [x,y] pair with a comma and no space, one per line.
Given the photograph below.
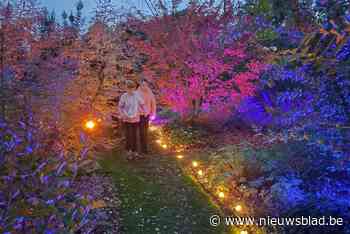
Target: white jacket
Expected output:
[130,107]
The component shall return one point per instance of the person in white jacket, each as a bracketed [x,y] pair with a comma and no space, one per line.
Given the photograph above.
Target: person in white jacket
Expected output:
[148,112]
[131,105]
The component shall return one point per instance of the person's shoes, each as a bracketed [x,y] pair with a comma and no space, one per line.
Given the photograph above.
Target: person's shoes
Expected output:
[130,155]
[141,156]
[138,156]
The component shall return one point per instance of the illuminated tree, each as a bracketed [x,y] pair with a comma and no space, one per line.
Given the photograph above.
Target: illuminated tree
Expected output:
[197,66]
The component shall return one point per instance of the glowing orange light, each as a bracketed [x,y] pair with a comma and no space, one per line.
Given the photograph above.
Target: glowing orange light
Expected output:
[164,146]
[244,232]
[195,164]
[153,128]
[99,120]
[90,124]
[222,195]
[238,208]
[159,141]
[200,173]
[180,156]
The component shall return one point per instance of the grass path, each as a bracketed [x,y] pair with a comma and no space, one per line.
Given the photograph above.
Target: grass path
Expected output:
[158,198]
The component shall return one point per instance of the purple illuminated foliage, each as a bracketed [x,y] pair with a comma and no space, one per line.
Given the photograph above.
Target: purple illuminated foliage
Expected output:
[35,192]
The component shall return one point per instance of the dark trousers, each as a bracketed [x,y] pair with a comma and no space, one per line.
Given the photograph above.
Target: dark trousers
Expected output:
[144,123]
[131,136]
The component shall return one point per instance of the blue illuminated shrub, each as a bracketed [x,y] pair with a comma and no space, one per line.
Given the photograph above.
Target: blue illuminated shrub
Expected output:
[36,178]
[308,103]
[286,192]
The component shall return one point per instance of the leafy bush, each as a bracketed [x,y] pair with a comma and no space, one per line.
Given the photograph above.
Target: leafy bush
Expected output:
[267,37]
[283,180]
[309,100]
[36,177]
[287,192]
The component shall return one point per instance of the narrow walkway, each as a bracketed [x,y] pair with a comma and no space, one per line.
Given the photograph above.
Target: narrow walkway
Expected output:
[158,198]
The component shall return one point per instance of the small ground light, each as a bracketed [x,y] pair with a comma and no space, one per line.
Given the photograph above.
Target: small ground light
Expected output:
[222,195]
[238,208]
[180,149]
[195,164]
[164,146]
[200,173]
[90,124]
[244,232]
[153,128]
[180,156]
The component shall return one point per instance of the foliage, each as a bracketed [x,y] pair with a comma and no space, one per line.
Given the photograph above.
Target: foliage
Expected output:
[182,134]
[284,180]
[332,10]
[307,100]
[266,37]
[206,62]
[36,194]
[196,64]
[42,143]
[294,13]
[287,192]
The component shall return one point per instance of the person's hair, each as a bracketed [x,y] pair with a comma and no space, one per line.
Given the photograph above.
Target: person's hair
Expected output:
[143,79]
[130,84]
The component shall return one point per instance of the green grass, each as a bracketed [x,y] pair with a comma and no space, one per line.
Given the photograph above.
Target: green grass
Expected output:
[158,198]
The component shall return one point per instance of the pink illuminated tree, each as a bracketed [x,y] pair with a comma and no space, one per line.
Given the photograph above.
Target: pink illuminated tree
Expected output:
[197,61]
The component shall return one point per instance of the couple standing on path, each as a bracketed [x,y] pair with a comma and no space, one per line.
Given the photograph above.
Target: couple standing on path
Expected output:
[136,106]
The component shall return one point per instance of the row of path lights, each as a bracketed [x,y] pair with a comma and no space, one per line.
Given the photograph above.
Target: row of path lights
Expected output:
[197,170]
